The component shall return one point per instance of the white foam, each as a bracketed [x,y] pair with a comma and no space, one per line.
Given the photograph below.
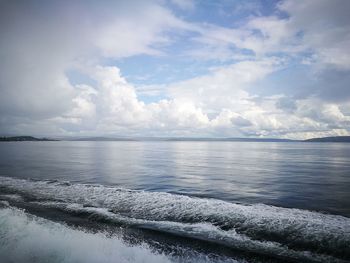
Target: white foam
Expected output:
[235,225]
[26,238]
[205,232]
[14,197]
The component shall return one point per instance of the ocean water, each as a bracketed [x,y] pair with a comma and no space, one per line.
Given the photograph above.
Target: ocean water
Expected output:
[174,202]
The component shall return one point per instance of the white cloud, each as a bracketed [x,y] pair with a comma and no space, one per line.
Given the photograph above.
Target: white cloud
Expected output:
[320,27]
[112,107]
[202,111]
[37,48]
[37,51]
[325,26]
[138,33]
[224,87]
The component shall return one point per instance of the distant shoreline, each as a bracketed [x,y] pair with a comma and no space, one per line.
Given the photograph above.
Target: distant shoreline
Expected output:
[339,139]
[330,139]
[24,138]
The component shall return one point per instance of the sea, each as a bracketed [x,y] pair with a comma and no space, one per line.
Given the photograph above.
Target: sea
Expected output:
[174,201]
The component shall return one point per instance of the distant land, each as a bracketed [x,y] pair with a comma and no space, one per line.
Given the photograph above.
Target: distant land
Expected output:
[23,138]
[230,139]
[179,139]
[31,138]
[344,139]
[107,139]
[330,139]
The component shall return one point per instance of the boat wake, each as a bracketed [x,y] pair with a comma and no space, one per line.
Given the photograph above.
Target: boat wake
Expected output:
[284,234]
[26,238]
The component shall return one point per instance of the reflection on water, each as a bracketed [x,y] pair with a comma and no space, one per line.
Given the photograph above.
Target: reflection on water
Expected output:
[305,175]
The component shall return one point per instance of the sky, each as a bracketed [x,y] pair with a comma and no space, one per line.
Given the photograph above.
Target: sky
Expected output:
[175,68]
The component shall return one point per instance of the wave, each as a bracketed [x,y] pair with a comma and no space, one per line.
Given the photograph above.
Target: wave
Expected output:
[288,234]
[25,238]
[28,238]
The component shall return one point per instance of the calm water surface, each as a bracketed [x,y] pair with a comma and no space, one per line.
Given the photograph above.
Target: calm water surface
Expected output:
[312,176]
[177,202]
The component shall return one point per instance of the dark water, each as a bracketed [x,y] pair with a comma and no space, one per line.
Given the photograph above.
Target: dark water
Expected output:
[179,201]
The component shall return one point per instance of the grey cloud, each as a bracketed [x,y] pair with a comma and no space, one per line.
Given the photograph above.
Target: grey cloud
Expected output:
[240,121]
[286,104]
[41,40]
[332,85]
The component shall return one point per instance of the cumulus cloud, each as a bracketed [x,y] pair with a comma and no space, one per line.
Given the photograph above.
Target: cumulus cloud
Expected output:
[243,95]
[41,41]
[112,106]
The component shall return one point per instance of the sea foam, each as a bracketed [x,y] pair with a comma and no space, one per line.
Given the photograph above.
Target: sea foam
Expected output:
[27,238]
[290,234]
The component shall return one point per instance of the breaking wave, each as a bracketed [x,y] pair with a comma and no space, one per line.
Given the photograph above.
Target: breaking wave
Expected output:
[25,238]
[282,233]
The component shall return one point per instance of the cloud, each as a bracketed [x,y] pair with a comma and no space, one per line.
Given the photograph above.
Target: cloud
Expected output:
[140,31]
[284,74]
[325,28]
[225,86]
[286,104]
[112,106]
[116,108]
[321,28]
[240,122]
[41,41]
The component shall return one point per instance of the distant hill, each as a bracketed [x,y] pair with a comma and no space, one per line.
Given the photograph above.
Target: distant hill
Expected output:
[343,139]
[180,139]
[229,139]
[23,138]
[330,139]
[175,139]
[102,139]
